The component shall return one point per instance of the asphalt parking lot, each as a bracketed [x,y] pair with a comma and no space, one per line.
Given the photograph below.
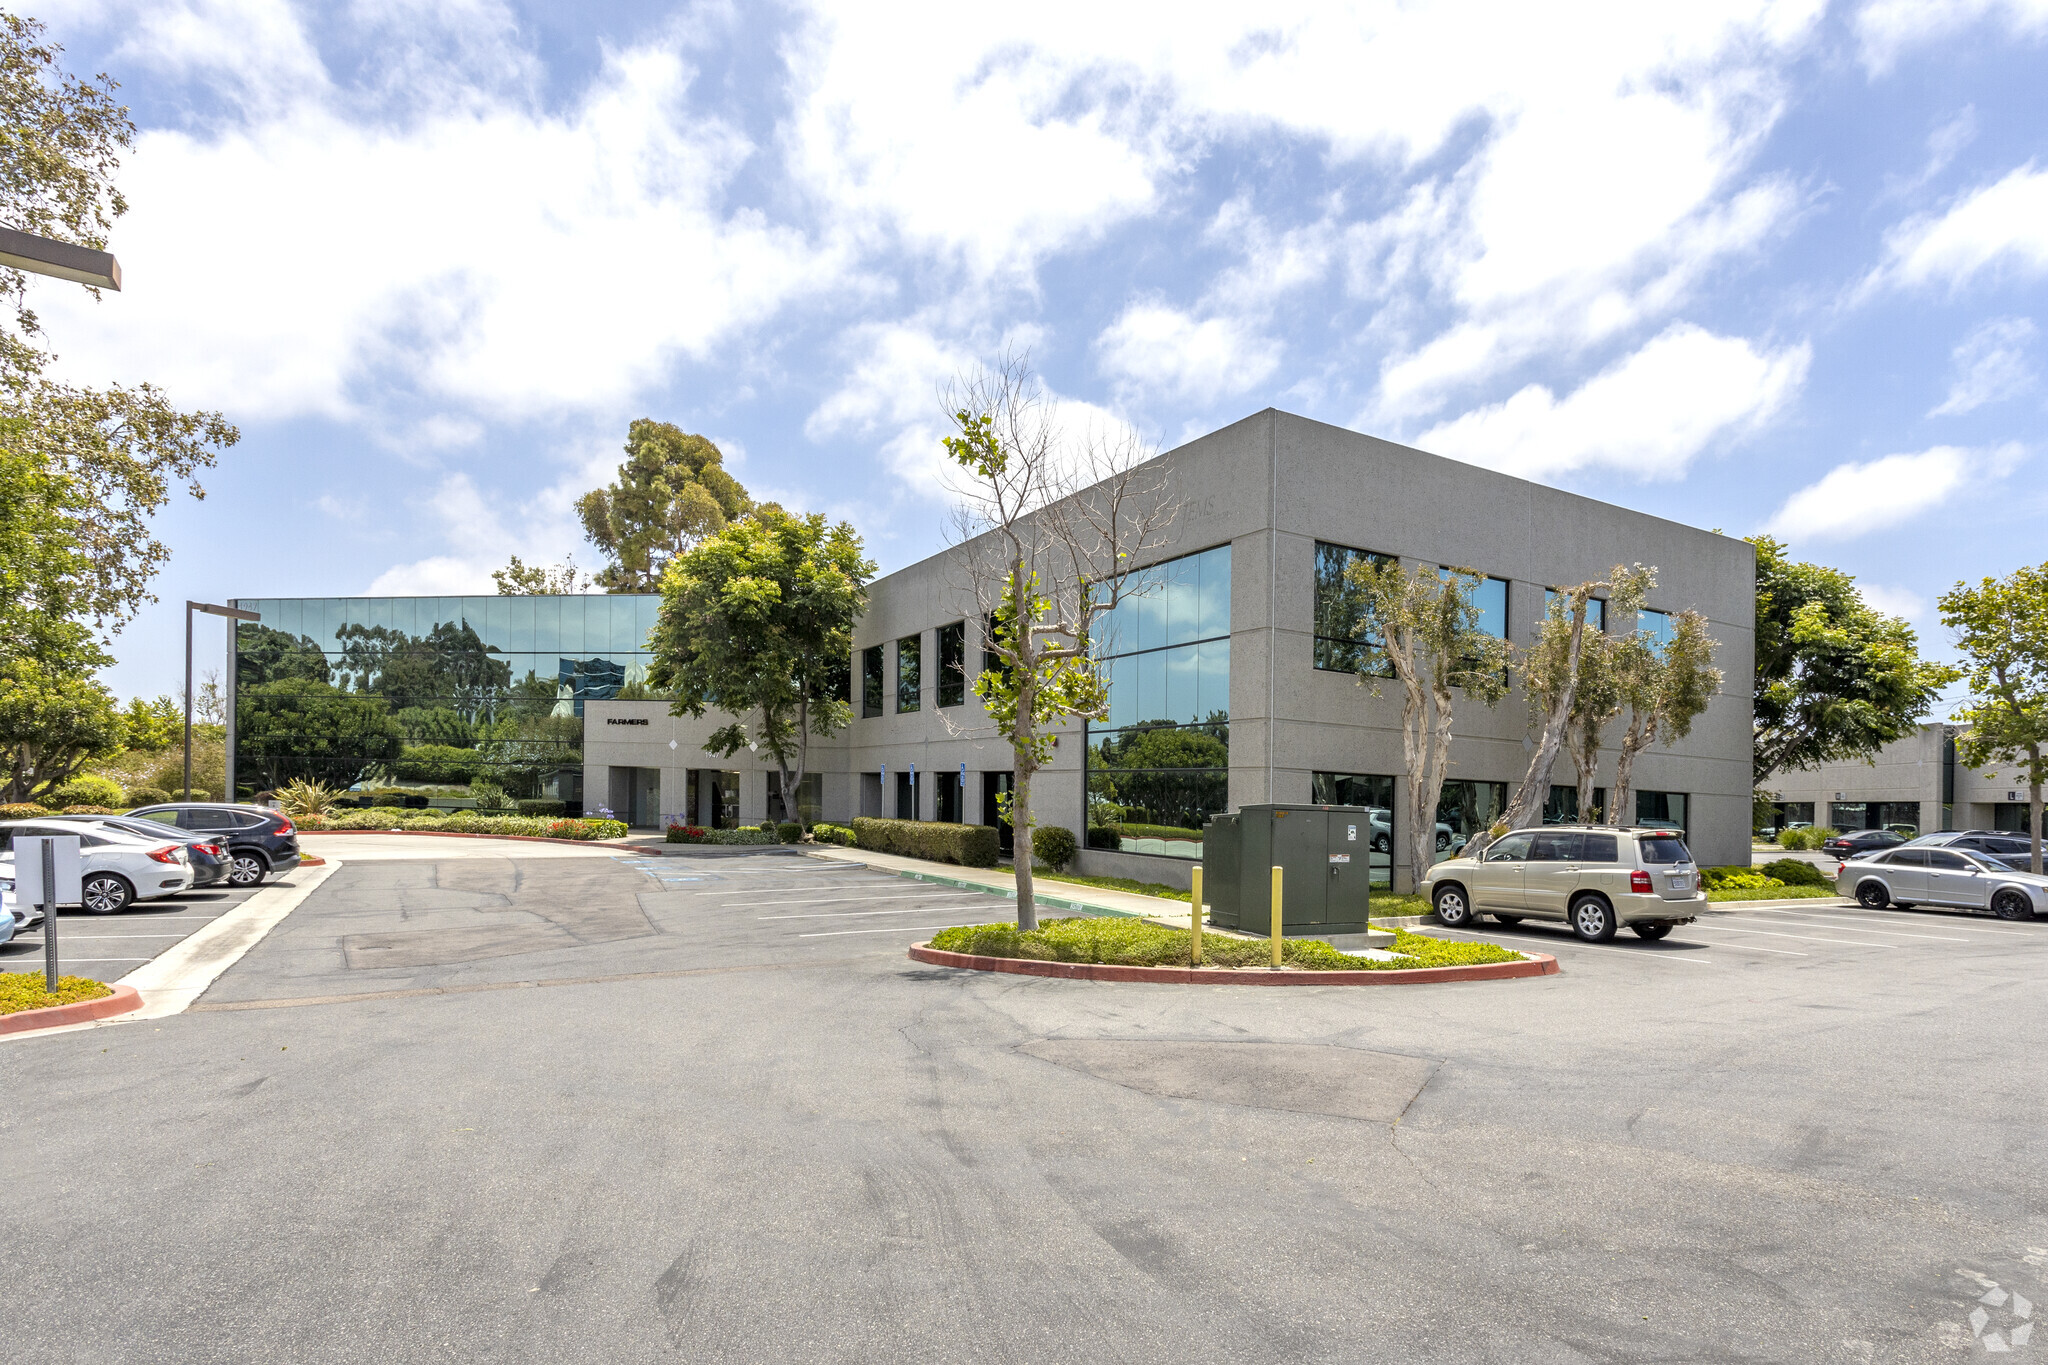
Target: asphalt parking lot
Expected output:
[108,947]
[515,1107]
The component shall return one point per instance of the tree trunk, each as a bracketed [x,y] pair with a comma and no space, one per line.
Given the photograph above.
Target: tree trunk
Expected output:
[1415,750]
[1620,806]
[1534,792]
[2034,807]
[1586,762]
[1022,756]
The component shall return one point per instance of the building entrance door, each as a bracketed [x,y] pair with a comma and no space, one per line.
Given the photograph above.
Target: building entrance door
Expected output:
[993,785]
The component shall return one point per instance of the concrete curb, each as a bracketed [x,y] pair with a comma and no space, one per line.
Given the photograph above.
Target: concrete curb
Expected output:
[1533,964]
[124,999]
[180,975]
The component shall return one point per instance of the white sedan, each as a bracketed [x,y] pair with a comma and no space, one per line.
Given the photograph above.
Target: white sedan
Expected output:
[116,871]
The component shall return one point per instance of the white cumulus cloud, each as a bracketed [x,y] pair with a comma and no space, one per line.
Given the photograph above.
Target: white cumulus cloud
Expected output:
[1161,348]
[2003,225]
[1858,497]
[1646,416]
[1886,29]
[1991,364]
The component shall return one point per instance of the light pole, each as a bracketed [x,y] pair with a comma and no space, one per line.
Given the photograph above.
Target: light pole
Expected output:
[233,614]
[46,256]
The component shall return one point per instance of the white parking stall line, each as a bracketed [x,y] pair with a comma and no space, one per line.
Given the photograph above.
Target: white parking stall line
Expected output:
[856,914]
[1873,918]
[1803,938]
[839,900]
[109,959]
[1877,929]
[899,929]
[1575,944]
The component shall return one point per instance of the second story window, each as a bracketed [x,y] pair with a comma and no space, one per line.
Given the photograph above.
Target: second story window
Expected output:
[1345,642]
[1490,604]
[871,681]
[909,653]
[1596,609]
[1657,625]
[953,664]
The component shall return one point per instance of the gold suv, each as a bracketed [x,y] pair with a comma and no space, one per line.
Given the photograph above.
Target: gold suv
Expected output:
[1595,878]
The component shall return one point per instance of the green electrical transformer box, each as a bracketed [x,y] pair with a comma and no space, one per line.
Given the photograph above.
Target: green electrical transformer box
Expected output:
[1324,854]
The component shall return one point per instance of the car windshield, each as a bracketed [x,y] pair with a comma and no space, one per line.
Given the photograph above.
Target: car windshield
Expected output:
[1659,849]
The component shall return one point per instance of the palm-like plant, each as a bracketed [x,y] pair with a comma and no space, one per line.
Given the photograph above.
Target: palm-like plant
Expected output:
[301,797]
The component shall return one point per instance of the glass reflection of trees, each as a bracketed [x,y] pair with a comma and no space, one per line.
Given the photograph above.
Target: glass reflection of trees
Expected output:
[1160,774]
[440,708]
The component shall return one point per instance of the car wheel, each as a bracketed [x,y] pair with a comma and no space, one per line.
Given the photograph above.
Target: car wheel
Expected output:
[1593,919]
[105,893]
[1651,931]
[1443,841]
[247,870]
[1381,843]
[1509,919]
[2012,905]
[1452,907]
[1873,896]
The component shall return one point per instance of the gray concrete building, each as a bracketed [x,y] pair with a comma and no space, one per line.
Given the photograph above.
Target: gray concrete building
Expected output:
[1229,685]
[1915,781]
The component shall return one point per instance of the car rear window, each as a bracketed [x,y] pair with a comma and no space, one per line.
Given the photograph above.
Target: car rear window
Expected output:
[1601,848]
[1658,851]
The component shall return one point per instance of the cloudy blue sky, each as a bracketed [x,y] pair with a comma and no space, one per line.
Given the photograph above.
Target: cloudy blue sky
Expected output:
[1747,264]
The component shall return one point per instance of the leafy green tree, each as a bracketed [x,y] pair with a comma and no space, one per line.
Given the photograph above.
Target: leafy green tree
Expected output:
[671,493]
[1055,530]
[757,621]
[1665,689]
[1425,628]
[520,579]
[1556,667]
[449,664]
[1835,679]
[2001,627]
[53,721]
[152,725]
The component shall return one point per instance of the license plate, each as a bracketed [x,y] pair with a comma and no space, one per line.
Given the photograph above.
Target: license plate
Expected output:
[1680,881]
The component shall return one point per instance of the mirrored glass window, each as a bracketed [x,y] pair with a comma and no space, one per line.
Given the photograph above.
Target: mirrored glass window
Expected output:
[1345,642]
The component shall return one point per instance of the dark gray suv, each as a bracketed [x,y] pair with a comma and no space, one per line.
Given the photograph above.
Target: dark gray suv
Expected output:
[259,841]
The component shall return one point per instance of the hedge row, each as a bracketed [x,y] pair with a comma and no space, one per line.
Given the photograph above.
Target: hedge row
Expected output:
[693,834]
[968,845]
[465,822]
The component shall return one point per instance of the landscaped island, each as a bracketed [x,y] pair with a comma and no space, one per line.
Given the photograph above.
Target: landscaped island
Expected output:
[1141,943]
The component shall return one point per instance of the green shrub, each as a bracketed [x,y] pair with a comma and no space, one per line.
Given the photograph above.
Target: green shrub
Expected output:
[790,832]
[540,808]
[91,810]
[1140,943]
[1053,846]
[146,796]
[87,789]
[23,810]
[489,795]
[968,845]
[1793,872]
[1105,836]
[686,834]
[1805,840]
[833,834]
[1736,879]
[741,837]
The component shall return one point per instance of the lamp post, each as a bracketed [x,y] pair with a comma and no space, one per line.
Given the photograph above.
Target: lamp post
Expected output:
[233,614]
[46,256]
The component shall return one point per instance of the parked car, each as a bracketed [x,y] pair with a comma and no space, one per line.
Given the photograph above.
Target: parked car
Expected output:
[1860,841]
[117,869]
[1595,878]
[259,841]
[1998,842]
[1380,820]
[1958,877]
[9,924]
[209,859]
[24,916]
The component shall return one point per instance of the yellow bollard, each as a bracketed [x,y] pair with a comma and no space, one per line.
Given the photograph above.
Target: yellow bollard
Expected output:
[1195,919]
[1277,920]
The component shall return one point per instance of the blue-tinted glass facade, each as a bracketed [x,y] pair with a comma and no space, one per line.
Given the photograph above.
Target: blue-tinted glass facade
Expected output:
[430,691]
[1159,766]
[1657,626]
[1596,609]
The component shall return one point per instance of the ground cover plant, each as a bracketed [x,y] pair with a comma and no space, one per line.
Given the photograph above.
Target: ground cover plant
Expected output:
[24,991]
[1781,893]
[1141,943]
[1136,888]
[722,838]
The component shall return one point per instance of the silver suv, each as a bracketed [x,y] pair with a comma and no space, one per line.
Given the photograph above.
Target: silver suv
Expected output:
[1595,878]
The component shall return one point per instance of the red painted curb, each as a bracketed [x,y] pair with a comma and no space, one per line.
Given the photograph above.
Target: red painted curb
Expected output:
[308,860]
[1534,964]
[464,834]
[124,999]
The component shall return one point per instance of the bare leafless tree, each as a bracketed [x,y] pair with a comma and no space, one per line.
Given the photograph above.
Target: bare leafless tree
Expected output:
[1052,528]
